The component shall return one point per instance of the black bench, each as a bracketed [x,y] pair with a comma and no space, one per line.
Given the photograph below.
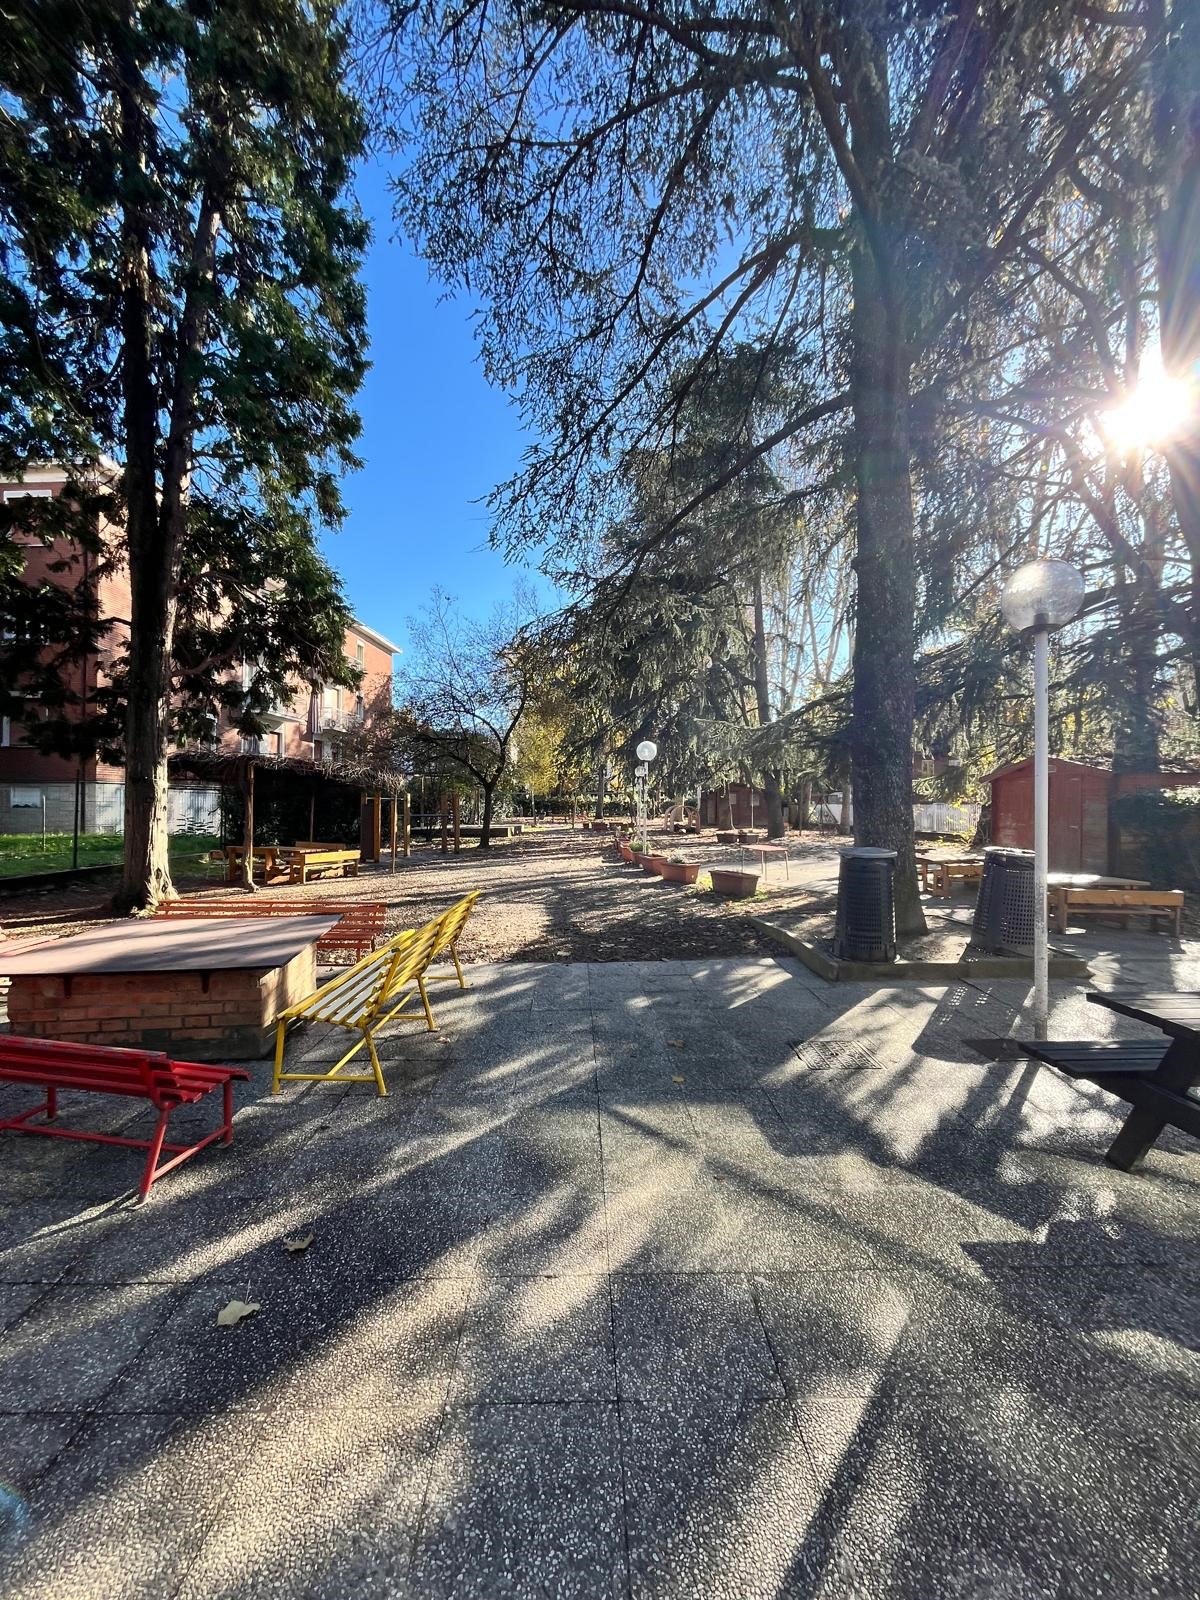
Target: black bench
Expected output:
[1153,1075]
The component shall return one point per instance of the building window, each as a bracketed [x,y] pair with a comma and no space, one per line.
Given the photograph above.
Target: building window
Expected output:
[28,494]
[360,655]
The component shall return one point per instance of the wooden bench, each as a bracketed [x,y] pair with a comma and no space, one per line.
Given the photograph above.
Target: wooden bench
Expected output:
[1123,903]
[295,863]
[373,991]
[102,1069]
[361,924]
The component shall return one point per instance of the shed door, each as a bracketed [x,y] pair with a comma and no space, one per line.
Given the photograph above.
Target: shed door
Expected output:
[1066,820]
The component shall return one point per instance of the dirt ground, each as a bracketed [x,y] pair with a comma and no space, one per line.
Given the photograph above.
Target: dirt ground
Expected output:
[554,895]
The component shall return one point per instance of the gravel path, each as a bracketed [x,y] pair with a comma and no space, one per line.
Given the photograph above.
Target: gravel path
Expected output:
[555,895]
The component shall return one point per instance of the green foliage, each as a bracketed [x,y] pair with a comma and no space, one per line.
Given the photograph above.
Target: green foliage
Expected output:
[179,294]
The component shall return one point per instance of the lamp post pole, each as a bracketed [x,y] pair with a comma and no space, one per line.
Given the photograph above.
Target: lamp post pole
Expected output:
[646,752]
[1041,828]
[1040,596]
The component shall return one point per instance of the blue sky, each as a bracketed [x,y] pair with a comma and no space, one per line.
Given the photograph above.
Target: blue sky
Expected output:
[436,438]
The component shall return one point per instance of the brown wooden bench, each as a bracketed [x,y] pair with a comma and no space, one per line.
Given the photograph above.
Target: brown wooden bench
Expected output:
[101,1069]
[1124,903]
[359,929]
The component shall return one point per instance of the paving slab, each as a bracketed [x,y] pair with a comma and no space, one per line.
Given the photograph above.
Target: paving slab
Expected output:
[524,1500]
[658,1278]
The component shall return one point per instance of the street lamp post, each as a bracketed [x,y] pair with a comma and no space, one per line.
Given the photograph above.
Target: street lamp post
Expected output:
[1039,597]
[646,752]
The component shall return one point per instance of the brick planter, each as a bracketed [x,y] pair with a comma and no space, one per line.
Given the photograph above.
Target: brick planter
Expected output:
[652,864]
[204,990]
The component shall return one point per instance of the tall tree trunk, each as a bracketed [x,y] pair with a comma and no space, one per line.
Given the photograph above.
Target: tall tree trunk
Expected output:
[601,770]
[1177,140]
[485,836]
[146,873]
[771,786]
[885,630]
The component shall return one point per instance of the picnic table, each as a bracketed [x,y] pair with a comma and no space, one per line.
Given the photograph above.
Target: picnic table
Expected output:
[1157,1077]
[297,862]
[943,870]
[762,851]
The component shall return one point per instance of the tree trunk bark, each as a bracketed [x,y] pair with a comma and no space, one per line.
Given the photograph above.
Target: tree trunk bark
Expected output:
[248,829]
[1177,141]
[885,631]
[600,770]
[146,872]
[485,836]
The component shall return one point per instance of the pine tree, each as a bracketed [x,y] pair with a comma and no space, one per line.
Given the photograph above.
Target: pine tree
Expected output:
[179,293]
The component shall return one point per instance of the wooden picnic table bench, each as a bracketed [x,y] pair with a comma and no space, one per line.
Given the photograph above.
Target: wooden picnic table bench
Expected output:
[1156,1076]
[103,1069]
[938,873]
[1067,900]
[359,928]
[297,863]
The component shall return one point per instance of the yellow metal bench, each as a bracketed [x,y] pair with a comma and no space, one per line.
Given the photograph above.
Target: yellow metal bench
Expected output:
[373,991]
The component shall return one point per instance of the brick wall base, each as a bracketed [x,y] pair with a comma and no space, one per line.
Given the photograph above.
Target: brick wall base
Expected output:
[198,1016]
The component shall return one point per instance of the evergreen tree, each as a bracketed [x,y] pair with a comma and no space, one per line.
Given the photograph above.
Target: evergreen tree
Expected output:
[179,292]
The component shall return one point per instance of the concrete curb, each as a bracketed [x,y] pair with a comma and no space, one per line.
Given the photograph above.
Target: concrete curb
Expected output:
[835,970]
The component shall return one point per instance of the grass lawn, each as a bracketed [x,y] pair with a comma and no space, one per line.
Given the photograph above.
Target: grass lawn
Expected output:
[22,853]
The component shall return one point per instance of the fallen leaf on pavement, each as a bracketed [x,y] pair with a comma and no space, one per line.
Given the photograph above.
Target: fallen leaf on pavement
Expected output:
[676,1044]
[676,1077]
[300,1242]
[229,1316]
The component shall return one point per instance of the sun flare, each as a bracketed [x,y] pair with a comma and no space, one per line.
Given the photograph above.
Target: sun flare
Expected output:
[1155,411]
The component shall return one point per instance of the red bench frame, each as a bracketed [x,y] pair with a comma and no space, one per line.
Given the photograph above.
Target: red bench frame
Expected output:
[105,1069]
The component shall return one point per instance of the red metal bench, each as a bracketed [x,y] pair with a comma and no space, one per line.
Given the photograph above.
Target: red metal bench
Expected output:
[104,1069]
[360,928]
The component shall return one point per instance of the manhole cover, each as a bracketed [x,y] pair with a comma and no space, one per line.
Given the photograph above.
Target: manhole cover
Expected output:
[826,1055]
[996,1049]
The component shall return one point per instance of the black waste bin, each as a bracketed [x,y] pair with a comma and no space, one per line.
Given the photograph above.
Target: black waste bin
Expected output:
[866,905]
[1004,910]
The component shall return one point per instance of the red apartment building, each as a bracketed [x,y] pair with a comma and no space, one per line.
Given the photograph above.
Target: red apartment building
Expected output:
[311,724]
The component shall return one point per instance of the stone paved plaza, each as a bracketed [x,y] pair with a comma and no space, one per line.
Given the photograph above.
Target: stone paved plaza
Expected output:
[692,1278]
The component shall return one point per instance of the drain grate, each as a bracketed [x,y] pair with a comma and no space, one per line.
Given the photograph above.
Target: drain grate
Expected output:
[834,1055]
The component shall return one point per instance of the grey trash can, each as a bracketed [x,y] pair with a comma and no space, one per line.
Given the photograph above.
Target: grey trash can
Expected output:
[1004,910]
[866,905]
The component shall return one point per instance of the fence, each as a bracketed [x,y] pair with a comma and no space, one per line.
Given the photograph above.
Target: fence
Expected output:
[932,816]
[28,808]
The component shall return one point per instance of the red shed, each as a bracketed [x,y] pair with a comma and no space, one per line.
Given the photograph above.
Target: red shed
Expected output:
[1079,808]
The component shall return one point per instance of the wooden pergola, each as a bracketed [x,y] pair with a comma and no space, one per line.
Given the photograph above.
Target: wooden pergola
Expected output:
[248,774]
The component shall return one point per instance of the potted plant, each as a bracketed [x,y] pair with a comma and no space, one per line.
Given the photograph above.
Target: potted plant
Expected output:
[626,850]
[734,883]
[636,846]
[653,860]
[676,870]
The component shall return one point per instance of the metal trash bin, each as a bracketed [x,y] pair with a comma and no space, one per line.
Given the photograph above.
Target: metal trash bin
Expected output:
[1003,919]
[866,905]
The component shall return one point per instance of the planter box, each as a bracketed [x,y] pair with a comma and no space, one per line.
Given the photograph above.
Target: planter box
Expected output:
[749,836]
[727,837]
[626,852]
[653,863]
[734,885]
[680,871]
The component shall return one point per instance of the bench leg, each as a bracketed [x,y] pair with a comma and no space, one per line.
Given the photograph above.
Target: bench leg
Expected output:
[51,1104]
[153,1153]
[462,982]
[431,1024]
[227,1126]
[375,1066]
[1142,1127]
[280,1041]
